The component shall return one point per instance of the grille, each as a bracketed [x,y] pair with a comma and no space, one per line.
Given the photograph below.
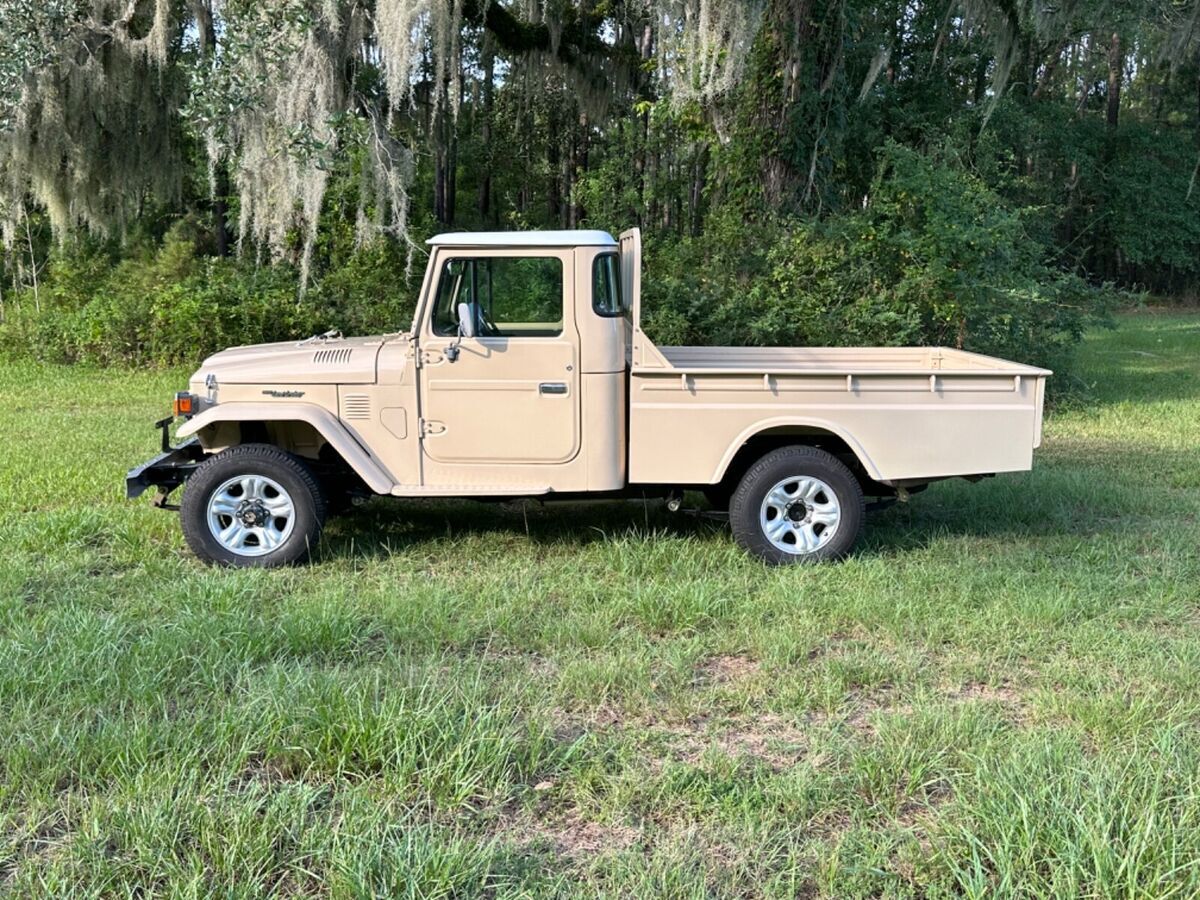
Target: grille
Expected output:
[332,357]
[356,406]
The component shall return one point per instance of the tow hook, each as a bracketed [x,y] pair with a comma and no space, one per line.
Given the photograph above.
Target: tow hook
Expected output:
[674,500]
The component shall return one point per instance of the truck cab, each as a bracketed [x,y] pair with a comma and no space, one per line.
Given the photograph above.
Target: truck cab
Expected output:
[520,361]
[526,373]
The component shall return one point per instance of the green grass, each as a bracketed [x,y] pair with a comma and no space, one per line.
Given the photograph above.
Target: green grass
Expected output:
[998,696]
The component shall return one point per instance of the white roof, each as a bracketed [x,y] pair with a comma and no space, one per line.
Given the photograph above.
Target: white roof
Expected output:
[524,239]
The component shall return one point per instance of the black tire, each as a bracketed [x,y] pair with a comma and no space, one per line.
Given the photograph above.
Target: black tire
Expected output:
[746,509]
[288,472]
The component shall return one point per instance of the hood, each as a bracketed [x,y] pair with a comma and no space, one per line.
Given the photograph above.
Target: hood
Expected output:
[328,361]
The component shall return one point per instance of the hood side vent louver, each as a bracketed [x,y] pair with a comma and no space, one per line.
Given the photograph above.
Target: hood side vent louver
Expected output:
[356,406]
[332,357]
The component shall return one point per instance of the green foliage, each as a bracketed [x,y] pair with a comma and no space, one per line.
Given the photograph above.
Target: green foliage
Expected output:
[172,304]
[936,257]
[1115,205]
[1152,216]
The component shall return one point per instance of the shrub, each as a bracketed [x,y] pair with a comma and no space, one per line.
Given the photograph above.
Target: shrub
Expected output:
[936,257]
[174,305]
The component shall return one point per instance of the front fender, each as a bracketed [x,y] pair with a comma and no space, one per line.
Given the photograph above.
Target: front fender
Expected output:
[326,424]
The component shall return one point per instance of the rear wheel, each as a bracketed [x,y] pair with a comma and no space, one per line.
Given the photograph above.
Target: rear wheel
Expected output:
[797,504]
[252,505]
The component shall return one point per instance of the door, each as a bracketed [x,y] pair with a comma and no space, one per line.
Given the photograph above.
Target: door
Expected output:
[631,290]
[509,395]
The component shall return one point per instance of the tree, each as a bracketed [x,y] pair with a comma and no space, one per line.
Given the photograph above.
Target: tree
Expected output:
[280,90]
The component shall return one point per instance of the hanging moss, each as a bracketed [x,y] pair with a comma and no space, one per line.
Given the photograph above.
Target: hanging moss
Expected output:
[91,133]
[269,87]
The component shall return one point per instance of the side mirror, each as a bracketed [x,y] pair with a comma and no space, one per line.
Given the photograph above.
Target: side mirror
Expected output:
[466,320]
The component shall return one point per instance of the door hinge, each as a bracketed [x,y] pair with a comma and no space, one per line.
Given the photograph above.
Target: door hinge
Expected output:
[428,427]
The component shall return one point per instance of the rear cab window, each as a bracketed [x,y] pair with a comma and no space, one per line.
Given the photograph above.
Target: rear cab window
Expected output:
[606,286]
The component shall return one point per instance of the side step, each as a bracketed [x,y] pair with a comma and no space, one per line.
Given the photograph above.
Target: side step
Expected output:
[470,490]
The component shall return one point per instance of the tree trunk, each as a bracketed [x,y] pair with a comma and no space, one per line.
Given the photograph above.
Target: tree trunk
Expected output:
[554,164]
[646,51]
[445,165]
[220,210]
[579,163]
[1048,72]
[439,181]
[981,68]
[1196,134]
[451,173]
[220,201]
[568,180]
[1116,71]
[696,193]
[896,49]
[1160,93]
[484,201]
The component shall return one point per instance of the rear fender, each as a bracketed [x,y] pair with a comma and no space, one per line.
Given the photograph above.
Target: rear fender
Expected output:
[809,424]
[322,421]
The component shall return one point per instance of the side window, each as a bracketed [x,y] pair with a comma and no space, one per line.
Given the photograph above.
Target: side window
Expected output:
[606,286]
[508,296]
[453,285]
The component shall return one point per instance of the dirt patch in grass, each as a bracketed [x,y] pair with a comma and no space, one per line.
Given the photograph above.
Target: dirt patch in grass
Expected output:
[565,833]
[571,726]
[771,739]
[537,665]
[725,670]
[577,838]
[46,841]
[776,741]
[272,770]
[865,708]
[768,739]
[976,691]
[1013,702]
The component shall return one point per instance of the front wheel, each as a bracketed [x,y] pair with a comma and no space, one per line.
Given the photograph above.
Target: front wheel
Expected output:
[797,504]
[252,506]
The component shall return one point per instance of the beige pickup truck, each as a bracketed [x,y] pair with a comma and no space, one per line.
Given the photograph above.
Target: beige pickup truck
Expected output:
[526,373]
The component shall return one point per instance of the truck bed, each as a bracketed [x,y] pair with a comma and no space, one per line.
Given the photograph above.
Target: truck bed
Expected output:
[909,414]
[836,361]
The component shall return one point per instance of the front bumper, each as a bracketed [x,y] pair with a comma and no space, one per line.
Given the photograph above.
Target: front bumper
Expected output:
[167,471]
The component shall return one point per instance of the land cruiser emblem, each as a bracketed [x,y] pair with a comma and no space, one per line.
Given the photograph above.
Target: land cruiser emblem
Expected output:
[283,393]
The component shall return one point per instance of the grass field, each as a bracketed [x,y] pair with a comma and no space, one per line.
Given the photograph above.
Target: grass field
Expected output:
[998,696]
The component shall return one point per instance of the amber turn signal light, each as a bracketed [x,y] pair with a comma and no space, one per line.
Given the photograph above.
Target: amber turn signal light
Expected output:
[185,404]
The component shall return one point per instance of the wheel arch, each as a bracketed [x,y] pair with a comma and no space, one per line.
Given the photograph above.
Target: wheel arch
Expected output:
[764,436]
[207,424]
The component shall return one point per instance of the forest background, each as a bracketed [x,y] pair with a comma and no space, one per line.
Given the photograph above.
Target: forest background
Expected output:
[181,175]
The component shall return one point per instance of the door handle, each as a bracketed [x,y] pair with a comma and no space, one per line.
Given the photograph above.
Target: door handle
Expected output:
[552,387]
